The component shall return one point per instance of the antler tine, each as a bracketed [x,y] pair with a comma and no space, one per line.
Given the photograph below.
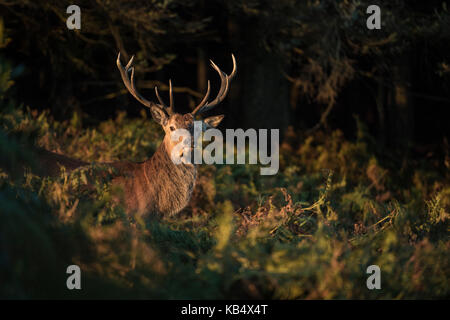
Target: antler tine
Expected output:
[129,83]
[127,67]
[224,87]
[159,98]
[170,96]
[170,108]
[204,101]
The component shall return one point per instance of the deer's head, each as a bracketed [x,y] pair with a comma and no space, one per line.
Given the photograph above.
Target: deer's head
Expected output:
[166,116]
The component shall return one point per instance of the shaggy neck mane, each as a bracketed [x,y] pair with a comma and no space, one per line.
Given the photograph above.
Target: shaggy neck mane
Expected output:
[169,185]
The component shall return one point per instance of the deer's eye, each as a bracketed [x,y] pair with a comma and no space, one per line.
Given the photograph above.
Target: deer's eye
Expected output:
[172,128]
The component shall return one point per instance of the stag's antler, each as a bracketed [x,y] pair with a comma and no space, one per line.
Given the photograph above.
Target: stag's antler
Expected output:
[129,84]
[170,107]
[224,87]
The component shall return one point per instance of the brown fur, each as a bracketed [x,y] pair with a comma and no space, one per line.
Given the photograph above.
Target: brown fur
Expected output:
[51,163]
[156,186]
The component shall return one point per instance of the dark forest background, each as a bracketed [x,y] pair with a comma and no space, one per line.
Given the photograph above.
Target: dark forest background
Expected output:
[364,173]
[305,64]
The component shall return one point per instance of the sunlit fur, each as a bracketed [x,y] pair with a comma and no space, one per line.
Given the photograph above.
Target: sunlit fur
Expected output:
[158,186]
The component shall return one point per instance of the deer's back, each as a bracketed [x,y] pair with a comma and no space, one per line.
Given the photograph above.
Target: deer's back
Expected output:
[50,163]
[156,186]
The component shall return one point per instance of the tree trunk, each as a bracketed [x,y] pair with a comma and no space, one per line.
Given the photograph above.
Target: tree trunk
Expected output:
[381,105]
[264,91]
[401,108]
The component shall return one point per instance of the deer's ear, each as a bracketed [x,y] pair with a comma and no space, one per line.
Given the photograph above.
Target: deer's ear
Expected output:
[158,115]
[213,121]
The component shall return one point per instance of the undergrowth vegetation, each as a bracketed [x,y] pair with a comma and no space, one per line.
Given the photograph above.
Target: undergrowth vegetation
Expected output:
[335,208]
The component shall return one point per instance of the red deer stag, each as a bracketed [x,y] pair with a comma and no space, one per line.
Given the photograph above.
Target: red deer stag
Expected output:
[156,186]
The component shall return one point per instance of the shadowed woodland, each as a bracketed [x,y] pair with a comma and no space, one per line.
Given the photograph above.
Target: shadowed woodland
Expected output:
[364,151]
